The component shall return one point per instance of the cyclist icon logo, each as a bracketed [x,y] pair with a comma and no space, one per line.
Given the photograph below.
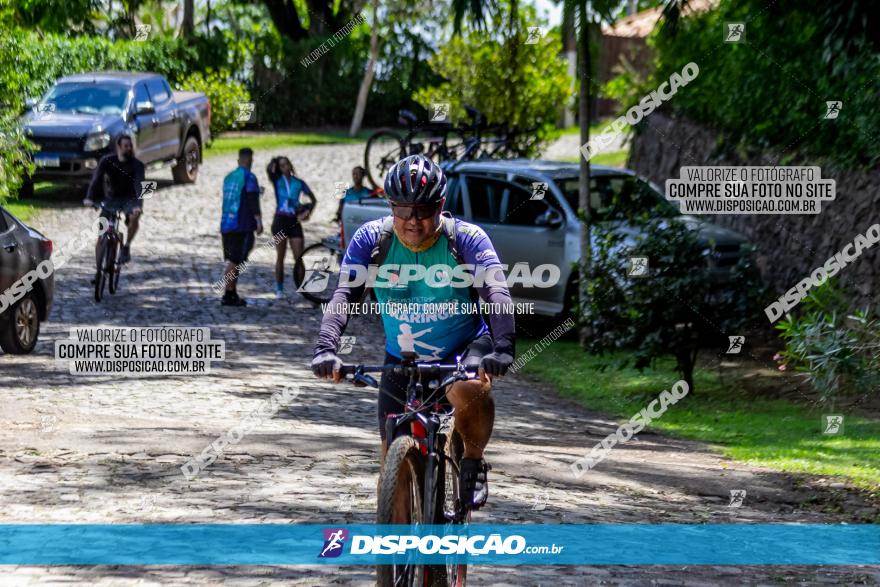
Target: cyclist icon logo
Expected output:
[535,34]
[736,343]
[638,266]
[539,189]
[245,111]
[737,496]
[142,31]
[147,189]
[334,540]
[346,344]
[833,424]
[735,32]
[834,107]
[439,112]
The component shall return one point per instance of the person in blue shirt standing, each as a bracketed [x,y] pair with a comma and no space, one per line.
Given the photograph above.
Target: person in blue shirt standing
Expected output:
[240,219]
[355,192]
[289,212]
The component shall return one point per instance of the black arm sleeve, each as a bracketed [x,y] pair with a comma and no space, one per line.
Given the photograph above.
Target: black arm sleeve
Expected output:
[502,322]
[336,318]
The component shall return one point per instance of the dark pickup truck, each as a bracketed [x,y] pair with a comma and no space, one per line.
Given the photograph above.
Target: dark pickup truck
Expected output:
[78,120]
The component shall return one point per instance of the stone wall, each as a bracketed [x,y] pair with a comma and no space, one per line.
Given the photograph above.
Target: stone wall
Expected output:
[790,246]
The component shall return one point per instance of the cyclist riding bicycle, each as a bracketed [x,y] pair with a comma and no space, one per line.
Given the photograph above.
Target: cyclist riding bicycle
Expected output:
[418,234]
[119,178]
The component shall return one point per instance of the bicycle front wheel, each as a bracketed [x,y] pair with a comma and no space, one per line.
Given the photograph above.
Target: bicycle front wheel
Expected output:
[100,273]
[113,267]
[384,149]
[400,502]
[316,273]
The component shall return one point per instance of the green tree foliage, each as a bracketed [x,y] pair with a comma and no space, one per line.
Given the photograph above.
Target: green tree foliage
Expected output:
[796,56]
[224,93]
[30,63]
[837,350]
[15,163]
[679,306]
[512,83]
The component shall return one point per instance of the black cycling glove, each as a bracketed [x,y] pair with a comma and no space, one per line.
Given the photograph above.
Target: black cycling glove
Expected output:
[496,363]
[325,363]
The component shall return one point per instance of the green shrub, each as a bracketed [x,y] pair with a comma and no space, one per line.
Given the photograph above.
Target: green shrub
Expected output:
[512,83]
[836,350]
[15,164]
[224,93]
[770,90]
[30,63]
[677,308]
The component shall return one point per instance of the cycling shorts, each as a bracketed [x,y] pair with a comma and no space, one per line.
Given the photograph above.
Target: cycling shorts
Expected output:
[288,224]
[392,387]
[124,206]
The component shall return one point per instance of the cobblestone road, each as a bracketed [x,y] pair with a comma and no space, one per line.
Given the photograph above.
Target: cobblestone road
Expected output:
[81,449]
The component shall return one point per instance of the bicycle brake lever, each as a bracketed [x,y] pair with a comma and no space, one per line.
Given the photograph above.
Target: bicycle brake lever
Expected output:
[364,380]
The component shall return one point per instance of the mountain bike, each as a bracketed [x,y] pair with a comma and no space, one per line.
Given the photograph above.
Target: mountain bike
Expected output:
[440,141]
[419,482]
[318,282]
[108,267]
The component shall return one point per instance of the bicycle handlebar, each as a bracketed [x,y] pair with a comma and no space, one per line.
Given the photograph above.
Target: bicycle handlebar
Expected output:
[360,375]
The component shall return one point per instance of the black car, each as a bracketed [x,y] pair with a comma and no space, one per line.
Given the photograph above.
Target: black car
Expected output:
[27,285]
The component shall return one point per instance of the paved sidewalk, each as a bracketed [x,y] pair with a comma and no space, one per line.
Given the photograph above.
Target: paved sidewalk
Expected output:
[81,449]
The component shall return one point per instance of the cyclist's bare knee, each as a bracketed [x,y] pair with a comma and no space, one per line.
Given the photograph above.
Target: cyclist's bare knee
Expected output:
[463,393]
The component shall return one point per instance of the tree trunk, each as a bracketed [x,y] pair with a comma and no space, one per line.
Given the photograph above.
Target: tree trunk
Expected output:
[208,17]
[584,119]
[188,18]
[686,361]
[367,82]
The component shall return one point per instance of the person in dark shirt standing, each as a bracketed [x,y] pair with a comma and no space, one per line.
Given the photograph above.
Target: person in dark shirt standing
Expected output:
[119,178]
[241,217]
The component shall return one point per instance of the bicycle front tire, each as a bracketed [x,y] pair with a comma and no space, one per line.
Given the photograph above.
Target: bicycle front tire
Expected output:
[400,502]
[100,274]
[113,267]
[384,148]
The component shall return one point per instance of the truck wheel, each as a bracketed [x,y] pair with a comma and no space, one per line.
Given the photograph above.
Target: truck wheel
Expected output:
[187,168]
[26,190]
[21,327]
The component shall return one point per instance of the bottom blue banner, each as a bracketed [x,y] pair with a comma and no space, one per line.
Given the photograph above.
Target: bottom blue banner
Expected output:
[270,544]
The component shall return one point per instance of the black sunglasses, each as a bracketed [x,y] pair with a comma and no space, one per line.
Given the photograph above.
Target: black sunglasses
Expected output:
[421,211]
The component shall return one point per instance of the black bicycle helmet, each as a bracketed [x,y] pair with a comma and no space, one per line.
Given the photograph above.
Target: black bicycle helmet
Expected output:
[415,180]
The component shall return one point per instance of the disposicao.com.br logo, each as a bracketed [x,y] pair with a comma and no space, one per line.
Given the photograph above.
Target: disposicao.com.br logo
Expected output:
[430,544]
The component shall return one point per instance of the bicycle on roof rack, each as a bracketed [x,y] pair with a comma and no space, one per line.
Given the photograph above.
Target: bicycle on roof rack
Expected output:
[442,142]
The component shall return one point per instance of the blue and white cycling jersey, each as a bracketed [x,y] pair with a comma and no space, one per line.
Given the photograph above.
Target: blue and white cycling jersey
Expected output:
[287,195]
[417,326]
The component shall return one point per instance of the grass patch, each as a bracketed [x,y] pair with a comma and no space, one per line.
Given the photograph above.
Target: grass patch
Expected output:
[46,195]
[769,432]
[596,128]
[612,159]
[232,142]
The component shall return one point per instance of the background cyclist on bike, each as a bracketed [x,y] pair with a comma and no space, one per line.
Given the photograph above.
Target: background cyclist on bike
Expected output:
[416,189]
[118,178]
[289,212]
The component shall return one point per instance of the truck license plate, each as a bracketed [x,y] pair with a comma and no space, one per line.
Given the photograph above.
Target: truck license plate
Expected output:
[47,161]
